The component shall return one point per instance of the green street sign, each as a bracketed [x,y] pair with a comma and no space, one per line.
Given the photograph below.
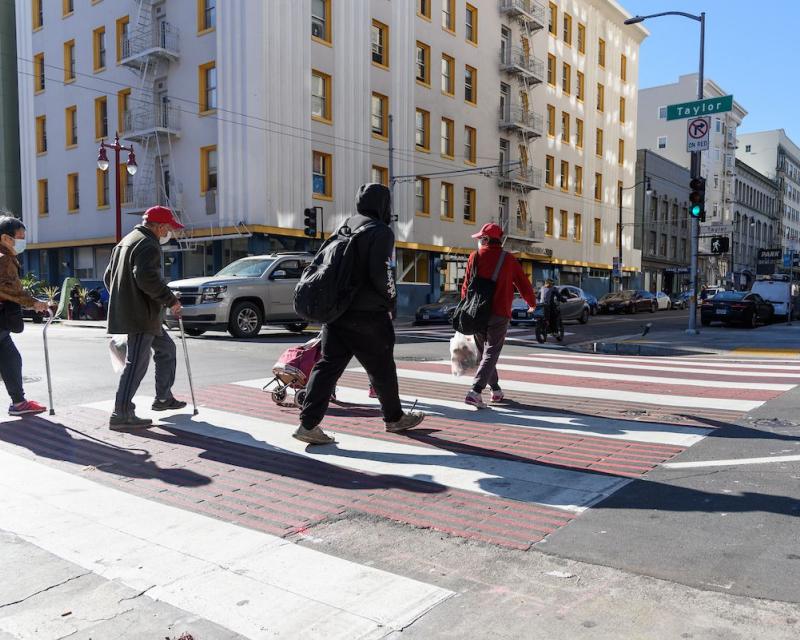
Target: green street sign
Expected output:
[697,108]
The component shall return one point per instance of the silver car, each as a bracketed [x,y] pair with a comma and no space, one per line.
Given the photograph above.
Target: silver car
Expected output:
[244,296]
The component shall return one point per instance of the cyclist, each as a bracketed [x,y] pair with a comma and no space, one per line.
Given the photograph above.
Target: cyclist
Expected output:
[550,298]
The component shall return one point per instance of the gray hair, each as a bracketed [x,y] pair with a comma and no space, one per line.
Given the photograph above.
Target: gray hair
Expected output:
[9,225]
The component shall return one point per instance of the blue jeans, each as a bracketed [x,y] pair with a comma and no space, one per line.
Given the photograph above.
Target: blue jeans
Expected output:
[11,367]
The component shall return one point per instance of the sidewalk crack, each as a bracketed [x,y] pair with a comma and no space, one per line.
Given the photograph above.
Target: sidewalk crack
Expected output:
[52,586]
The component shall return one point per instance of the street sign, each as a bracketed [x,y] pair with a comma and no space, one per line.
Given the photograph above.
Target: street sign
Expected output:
[699,108]
[769,255]
[615,272]
[697,134]
[715,230]
[787,260]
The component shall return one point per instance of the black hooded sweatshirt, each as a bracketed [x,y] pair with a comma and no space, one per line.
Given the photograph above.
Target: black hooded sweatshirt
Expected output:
[377,292]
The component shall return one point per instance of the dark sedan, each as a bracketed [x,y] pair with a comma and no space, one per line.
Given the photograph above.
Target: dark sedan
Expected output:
[736,307]
[680,300]
[628,301]
[440,311]
[572,307]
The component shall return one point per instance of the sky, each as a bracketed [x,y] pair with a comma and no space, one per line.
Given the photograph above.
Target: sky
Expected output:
[751,52]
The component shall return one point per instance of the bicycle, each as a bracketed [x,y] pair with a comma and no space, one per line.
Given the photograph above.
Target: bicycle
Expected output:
[543,326]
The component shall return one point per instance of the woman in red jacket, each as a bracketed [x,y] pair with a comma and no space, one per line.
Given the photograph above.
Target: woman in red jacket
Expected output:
[490,343]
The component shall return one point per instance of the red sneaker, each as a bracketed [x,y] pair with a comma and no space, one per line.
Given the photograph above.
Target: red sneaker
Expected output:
[26,408]
[372,393]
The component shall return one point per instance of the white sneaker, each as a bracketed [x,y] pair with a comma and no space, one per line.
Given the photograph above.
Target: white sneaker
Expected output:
[498,396]
[475,400]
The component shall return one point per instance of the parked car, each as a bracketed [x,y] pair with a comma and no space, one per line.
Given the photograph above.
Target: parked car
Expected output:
[439,311]
[744,307]
[777,289]
[243,296]
[574,307]
[680,300]
[663,300]
[709,292]
[591,300]
[628,301]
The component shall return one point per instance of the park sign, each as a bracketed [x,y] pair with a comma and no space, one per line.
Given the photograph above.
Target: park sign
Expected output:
[706,107]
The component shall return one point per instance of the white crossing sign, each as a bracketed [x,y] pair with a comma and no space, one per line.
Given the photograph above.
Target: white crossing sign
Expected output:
[697,134]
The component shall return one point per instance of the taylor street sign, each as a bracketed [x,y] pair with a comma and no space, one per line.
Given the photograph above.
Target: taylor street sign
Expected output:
[715,230]
[697,130]
[697,108]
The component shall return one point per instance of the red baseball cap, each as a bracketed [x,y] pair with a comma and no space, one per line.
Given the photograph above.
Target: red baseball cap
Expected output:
[162,215]
[489,230]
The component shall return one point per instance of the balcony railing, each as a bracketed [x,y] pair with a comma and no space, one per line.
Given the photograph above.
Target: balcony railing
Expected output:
[519,176]
[162,40]
[145,194]
[150,120]
[522,120]
[517,61]
[529,11]
[522,229]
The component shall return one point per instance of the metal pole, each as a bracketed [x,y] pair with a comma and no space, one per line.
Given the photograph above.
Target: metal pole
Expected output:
[619,239]
[391,155]
[692,326]
[117,187]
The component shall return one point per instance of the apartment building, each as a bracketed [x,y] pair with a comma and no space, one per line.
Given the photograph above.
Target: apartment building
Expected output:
[776,156]
[242,114]
[10,189]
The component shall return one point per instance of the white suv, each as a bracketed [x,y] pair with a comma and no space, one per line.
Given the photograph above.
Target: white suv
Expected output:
[243,296]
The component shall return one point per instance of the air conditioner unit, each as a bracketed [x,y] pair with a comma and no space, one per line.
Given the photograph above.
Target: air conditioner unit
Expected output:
[316,30]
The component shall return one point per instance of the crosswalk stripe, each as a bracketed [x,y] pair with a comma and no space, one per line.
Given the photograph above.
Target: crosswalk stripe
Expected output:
[249,582]
[562,488]
[725,363]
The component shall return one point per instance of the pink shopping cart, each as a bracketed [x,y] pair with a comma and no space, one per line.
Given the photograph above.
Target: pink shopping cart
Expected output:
[292,371]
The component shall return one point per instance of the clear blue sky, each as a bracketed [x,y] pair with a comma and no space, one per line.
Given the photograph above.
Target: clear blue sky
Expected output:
[751,51]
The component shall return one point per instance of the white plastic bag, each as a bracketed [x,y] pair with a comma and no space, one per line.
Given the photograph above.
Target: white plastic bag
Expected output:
[118,350]
[464,356]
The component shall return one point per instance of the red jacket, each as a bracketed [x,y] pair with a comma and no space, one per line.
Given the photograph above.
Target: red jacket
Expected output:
[511,276]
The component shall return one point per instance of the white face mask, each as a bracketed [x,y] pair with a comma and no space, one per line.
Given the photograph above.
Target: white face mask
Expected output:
[19,245]
[166,238]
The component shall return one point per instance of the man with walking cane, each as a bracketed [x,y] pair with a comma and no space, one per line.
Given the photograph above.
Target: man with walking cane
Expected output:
[139,296]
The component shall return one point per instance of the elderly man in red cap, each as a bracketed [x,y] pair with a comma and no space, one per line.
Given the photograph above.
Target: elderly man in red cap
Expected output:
[509,275]
[139,295]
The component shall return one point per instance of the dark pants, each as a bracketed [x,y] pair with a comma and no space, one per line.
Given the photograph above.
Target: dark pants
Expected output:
[370,338]
[11,367]
[490,345]
[136,363]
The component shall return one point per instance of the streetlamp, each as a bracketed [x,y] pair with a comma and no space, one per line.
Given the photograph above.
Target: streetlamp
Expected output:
[102,164]
[648,192]
[695,169]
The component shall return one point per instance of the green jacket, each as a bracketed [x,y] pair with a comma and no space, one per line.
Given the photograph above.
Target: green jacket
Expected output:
[138,291]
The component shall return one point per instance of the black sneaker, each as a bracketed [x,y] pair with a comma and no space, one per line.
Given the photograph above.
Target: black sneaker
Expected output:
[128,423]
[168,405]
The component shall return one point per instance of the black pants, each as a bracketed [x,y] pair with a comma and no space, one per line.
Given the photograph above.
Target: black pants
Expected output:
[11,367]
[370,338]
[138,358]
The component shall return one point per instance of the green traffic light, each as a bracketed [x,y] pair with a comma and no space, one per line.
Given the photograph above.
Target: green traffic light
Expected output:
[696,210]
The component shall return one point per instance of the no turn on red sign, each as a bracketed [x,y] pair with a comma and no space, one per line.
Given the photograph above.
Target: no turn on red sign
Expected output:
[697,134]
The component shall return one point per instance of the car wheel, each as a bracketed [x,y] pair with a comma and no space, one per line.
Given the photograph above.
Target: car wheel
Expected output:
[194,332]
[584,316]
[653,307]
[632,308]
[245,320]
[752,321]
[297,327]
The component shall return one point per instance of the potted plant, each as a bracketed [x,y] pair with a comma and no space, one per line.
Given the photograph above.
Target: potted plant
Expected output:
[51,295]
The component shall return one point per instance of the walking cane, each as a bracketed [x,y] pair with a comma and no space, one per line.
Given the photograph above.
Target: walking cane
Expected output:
[188,366]
[47,361]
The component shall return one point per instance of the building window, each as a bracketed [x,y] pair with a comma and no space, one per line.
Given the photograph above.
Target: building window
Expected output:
[568,29]
[566,78]
[551,121]
[71,126]
[380,175]
[598,186]
[470,139]
[549,171]
[41,134]
[44,197]
[601,97]
[122,38]
[622,110]
[601,53]
[662,142]
[577,227]
[423,63]
[424,8]
[100,118]
[123,100]
[321,20]
[69,61]
[99,49]
[579,133]
[581,38]
[208,87]
[321,96]
[564,178]
[412,266]
[422,130]
[469,204]
[38,73]
[379,116]
[549,222]
[422,196]
[662,246]
[565,127]
[522,215]
[208,169]
[598,231]
[125,184]
[448,77]
[551,69]
[37,14]
[552,19]
[73,193]
[322,175]
[67,7]
[206,15]
[472,24]
[449,15]
[581,92]
[598,143]
[563,230]
[623,67]
[620,152]
[380,44]
[662,113]
[470,84]
[102,189]
[448,128]
[578,180]
[446,200]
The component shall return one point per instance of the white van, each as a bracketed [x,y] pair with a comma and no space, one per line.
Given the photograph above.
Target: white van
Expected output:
[778,290]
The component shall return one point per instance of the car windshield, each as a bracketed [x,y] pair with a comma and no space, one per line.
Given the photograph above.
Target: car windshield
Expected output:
[246,268]
[449,298]
[730,295]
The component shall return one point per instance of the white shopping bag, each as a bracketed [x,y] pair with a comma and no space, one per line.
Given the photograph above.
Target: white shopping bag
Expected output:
[464,355]
[118,350]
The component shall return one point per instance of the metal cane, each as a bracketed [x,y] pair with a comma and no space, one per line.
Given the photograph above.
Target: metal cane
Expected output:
[188,366]
[47,361]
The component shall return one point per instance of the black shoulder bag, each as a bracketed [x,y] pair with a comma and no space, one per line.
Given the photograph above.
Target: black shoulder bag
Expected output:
[473,312]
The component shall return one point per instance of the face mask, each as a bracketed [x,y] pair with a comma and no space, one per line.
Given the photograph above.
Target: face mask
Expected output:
[19,245]
[166,238]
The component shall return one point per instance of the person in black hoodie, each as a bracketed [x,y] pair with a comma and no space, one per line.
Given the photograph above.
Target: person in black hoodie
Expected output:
[365,330]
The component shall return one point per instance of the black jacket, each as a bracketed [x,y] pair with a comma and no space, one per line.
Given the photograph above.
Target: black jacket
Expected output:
[377,290]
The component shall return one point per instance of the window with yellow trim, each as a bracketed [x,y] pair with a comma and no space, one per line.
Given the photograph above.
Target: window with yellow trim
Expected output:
[549,171]
[563,227]
[581,80]
[100,118]
[522,215]
[321,21]
[67,7]
[598,186]
[581,38]
[422,130]
[379,116]
[123,106]
[564,177]
[73,193]
[206,16]
[577,227]
[413,266]
[601,52]
[448,75]
[37,14]
[321,95]
[69,61]
[446,200]
[43,197]
[380,175]
[449,15]
[71,126]
[470,145]
[565,127]
[207,76]
[567,29]
[41,134]
[598,231]
[578,180]
[423,63]
[99,49]
[579,133]
[447,138]
[601,97]
[123,47]
[208,169]
[566,78]
[598,143]
[551,121]
[620,152]
[551,69]
[322,175]
[424,9]
[380,44]
[469,204]
[38,73]
[102,188]
[471,23]
[552,19]
[622,110]
[549,221]
[470,85]
[422,196]
[623,67]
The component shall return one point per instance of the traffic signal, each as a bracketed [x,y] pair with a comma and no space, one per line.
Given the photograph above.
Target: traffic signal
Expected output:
[720,244]
[310,221]
[698,198]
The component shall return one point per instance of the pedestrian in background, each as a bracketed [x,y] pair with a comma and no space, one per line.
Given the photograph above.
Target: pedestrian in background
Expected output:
[490,342]
[138,297]
[12,298]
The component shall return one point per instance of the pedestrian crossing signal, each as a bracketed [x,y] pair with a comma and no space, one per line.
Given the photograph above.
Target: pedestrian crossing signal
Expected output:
[698,198]
[720,244]
[310,221]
